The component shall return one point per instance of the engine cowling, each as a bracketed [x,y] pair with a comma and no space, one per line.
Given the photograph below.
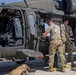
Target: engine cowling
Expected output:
[68,6]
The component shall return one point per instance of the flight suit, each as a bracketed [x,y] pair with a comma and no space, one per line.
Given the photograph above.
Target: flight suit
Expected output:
[55,45]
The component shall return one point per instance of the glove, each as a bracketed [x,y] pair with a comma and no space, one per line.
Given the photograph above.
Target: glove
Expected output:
[63,40]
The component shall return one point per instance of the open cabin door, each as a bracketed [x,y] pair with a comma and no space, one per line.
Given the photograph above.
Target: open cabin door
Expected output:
[31,30]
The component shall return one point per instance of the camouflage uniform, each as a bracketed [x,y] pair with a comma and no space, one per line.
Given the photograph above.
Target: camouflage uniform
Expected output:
[63,37]
[66,44]
[55,45]
[69,51]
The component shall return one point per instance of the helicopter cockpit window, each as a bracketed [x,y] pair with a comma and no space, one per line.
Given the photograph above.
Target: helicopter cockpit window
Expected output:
[32,24]
[11,29]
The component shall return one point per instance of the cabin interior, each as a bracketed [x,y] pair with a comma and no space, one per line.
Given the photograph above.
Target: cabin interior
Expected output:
[11,30]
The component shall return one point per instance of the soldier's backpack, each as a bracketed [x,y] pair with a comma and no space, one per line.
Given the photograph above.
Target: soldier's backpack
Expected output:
[21,70]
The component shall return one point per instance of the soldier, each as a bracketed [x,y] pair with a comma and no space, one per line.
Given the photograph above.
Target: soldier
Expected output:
[68,30]
[55,45]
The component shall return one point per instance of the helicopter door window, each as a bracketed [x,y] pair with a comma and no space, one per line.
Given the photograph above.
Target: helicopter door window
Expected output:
[31,21]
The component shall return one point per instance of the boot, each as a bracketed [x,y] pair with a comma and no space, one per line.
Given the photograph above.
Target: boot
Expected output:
[50,70]
[62,69]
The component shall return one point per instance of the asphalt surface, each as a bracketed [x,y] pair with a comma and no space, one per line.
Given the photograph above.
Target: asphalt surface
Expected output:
[37,68]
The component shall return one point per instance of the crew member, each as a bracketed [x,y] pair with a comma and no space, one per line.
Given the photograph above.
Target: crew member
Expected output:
[68,30]
[55,45]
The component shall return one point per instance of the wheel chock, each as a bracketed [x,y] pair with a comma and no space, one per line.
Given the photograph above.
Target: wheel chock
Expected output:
[67,66]
[55,69]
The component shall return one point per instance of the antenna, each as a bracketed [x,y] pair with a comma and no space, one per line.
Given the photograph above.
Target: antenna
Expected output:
[26,3]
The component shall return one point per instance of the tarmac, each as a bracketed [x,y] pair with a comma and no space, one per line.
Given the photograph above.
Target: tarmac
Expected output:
[38,67]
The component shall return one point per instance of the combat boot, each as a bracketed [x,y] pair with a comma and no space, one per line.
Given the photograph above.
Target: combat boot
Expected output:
[50,70]
[62,69]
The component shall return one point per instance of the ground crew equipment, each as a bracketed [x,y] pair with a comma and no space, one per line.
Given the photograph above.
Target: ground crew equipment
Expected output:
[21,70]
[54,69]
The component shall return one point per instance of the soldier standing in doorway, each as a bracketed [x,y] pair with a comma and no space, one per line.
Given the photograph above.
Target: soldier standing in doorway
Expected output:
[55,45]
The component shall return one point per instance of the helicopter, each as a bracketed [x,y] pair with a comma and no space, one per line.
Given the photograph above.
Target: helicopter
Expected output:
[21,23]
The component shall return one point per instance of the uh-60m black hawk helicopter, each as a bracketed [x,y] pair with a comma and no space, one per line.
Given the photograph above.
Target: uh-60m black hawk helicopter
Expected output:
[22,22]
